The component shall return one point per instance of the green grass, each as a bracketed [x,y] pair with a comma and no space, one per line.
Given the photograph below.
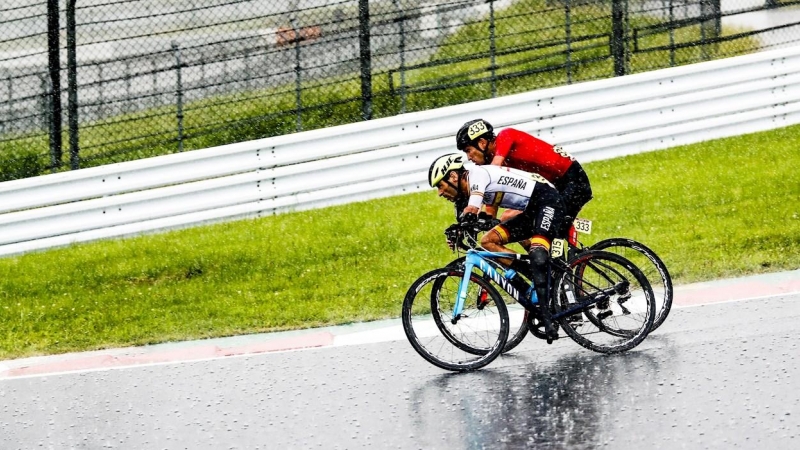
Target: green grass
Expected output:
[717,209]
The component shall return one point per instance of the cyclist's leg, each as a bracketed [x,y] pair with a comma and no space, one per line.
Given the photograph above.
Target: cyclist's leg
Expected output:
[539,255]
[517,228]
[506,216]
[541,219]
[548,222]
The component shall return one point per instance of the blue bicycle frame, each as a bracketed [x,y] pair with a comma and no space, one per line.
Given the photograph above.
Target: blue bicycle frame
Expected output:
[477,258]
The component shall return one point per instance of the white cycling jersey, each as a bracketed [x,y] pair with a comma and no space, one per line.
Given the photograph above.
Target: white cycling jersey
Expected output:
[501,186]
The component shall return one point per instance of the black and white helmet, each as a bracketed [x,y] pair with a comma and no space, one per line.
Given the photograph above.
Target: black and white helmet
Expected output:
[471,131]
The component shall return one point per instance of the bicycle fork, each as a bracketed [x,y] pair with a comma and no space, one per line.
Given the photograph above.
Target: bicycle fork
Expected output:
[471,261]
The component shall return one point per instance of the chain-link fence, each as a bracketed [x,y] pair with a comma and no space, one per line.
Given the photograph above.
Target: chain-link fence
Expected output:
[90,82]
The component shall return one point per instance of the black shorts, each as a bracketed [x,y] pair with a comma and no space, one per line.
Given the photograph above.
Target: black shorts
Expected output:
[543,216]
[575,192]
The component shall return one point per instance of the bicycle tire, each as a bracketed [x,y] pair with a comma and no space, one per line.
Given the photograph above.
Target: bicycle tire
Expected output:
[656,272]
[624,272]
[516,334]
[423,319]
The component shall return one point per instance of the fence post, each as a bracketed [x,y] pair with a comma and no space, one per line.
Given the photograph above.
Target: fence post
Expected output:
[54,66]
[492,48]
[72,87]
[127,105]
[402,21]
[248,74]
[47,114]
[711,26]
[298,80]
[618,36]
[178,93]
[671,33]
[12,113]
[154,97]
[568,39]
[366,59]
[8,107]
[716,6]
[44,104]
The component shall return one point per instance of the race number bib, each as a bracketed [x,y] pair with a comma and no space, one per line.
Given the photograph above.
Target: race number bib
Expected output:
[583,225]
[558,248]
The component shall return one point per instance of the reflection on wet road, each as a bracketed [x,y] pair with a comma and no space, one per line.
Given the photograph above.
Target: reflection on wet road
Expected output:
[716,376]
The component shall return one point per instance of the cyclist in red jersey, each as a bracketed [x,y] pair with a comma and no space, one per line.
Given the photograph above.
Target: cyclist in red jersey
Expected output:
[520,150]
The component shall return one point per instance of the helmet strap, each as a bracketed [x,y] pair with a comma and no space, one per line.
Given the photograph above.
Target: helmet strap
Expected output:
[484,151]
[457,186]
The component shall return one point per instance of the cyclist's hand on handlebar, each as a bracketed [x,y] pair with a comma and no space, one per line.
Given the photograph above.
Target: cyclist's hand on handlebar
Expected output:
[468,219]
[477,222]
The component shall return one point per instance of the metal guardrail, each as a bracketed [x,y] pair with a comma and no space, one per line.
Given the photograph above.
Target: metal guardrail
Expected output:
[366,160]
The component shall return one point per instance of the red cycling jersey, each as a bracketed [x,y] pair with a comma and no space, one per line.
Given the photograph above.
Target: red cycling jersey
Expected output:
[525,152]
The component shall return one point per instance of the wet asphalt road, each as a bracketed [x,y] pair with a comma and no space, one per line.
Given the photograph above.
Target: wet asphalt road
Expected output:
[714,376]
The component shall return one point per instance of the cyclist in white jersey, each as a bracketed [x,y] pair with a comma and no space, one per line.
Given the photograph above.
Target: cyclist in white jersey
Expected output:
[501,187]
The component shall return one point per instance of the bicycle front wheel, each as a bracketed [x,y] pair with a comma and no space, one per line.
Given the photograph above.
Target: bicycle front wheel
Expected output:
[651,266]
[469,341]
[619,308]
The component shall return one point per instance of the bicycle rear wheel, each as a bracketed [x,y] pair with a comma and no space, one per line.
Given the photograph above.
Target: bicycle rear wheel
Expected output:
[623,311]
[470,341]
[653,268]
[518,327]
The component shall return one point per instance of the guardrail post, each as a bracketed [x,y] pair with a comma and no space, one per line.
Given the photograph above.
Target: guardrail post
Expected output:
[72,87]
[366,59]
[54,66]
[618,36]
[178,93]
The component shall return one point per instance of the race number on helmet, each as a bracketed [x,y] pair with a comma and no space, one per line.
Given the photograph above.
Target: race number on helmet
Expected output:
[473,130]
